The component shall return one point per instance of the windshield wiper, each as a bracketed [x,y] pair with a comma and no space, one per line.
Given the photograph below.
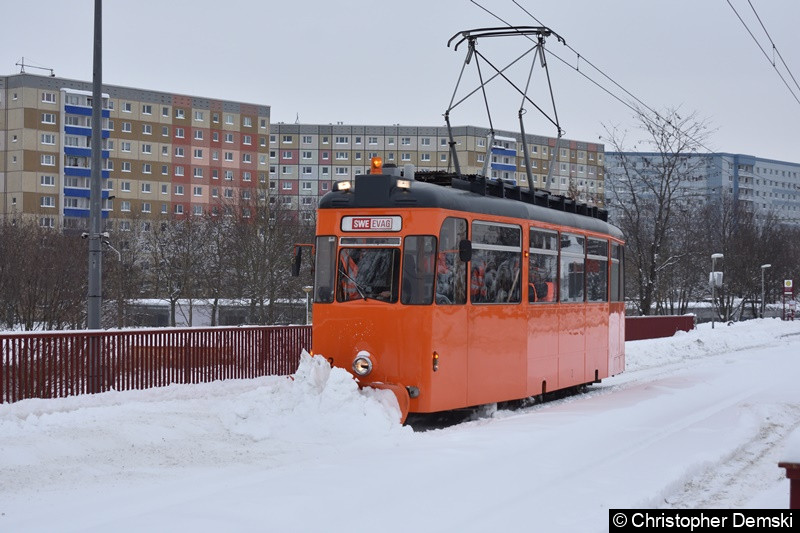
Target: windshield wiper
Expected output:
[358,287]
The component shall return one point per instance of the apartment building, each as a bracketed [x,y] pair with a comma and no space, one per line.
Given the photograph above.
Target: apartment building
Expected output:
[163,154]
[168,154]
[305,159]
[758,185]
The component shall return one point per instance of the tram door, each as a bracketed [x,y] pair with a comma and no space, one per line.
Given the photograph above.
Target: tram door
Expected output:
[449,335]
[497,321]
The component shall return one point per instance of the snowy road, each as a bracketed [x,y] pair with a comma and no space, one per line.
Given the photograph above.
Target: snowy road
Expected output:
[699,420]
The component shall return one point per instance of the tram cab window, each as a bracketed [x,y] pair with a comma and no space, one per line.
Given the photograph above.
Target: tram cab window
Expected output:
[451,272]
[543,266]
[596,270]
[325,269]
[419,256]
[617,284]
[495,266]
[368,273]
[571,283]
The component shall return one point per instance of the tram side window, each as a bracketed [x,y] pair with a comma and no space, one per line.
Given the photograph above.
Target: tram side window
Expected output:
[418,270]
[572,267]
[325,269]
[543,266]
[451,272]
[495,270]
[617,283]
[596,270]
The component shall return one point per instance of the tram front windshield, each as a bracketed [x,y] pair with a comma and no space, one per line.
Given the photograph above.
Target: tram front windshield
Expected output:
[368,274]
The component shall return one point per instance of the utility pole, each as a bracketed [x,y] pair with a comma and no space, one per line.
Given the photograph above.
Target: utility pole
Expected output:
[95,292]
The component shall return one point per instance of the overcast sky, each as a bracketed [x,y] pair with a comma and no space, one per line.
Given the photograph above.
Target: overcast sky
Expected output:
[378,62]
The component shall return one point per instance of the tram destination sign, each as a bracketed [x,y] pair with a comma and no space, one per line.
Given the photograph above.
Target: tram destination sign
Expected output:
[372,223]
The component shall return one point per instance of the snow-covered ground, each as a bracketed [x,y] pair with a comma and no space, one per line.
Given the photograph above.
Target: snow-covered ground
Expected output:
[699,420]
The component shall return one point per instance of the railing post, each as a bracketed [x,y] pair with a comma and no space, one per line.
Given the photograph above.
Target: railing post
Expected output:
[793,473]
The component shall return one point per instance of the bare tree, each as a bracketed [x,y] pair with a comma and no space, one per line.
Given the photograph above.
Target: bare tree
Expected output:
[647,190]
[177,251]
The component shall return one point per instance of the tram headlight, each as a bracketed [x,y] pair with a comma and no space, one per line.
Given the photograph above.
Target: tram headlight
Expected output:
[362,364]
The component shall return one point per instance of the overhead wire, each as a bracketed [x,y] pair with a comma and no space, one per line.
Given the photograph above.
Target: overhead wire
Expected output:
[598,84]
[771,61]
[774,47]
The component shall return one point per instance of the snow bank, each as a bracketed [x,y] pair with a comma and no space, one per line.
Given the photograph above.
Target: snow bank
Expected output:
[326,399]
[705,341]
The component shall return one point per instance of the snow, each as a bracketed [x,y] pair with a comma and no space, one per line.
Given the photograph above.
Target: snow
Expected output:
[698,420]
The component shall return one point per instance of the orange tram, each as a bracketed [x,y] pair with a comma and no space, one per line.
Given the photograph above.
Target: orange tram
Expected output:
[455,291]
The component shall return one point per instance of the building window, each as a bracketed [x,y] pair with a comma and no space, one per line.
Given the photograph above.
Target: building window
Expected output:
[198,153]
[48,118]
[247,139]
[228,156]
[126,127]
[180,113]
[147,129]
[48,201]
[48,160]
[197,191]
[228,119]
[179,170]
[147,109]
[198,172]
[146,168]
[342,140]
[306,155]
[306,185]
[147,148]
[247,122]
[179,133]
[306,170]
[247,158]
[125,146]
[246,176]
[125,186]
[179,151]
[126,107]
[48,181]
[229,175]
[229,137]
[126,166]
[49,98]
[125,205]
[48,138]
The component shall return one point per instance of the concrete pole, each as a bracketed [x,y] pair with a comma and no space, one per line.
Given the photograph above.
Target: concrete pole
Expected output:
[95,204]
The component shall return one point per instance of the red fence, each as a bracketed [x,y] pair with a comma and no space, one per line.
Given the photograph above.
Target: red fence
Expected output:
[52,365]
[652,327]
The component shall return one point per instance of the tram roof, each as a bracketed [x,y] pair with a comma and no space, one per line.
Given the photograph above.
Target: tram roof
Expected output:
[468,193]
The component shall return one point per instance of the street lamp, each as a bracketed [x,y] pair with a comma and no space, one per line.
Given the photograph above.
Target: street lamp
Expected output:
[307,289]
[714,280]
[763,268]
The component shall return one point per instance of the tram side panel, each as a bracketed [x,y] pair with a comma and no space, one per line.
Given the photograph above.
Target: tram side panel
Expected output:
[597,342]
[542,343]
[572,345]
[497,359]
